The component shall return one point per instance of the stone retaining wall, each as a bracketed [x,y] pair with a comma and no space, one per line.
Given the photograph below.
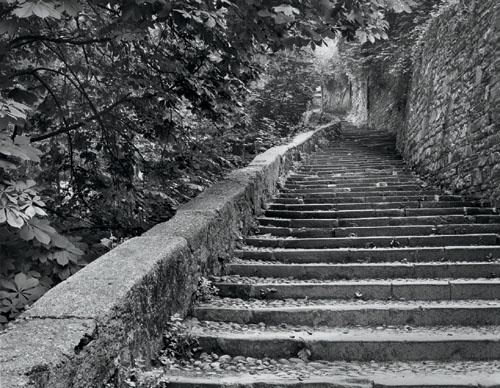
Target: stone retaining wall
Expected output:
[112,312]
[452,129]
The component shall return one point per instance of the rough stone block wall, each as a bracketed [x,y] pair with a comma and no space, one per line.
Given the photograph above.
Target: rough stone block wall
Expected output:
[452,129]
[386,99]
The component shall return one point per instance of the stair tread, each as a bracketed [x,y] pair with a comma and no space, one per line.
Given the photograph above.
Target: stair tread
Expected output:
[375,249]
[252,263]
[406,333]
[258,281]
[340,304]
[268,237]
[331,374]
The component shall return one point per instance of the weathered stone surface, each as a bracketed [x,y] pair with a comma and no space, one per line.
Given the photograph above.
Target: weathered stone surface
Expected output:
[453,76]
[41,347]
[444,108]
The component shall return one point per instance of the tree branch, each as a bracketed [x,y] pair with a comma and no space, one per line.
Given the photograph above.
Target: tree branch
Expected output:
[80,123]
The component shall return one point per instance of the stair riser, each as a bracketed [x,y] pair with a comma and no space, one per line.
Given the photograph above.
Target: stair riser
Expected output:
[356,350]
[373,196]
[374,255]
[417,316]
[369,206]
[367,271]
[351,189]
[346,201]
[369,291]
[418,230]
[270,381]
[379,242]
[342,185]
[347,179]
[355,176]
[380,231]
[339,169]
[333,162]
[364,171]
[381,221]
[471,211]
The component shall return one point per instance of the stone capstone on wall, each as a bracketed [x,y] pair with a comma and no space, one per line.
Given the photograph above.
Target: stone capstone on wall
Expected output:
[452,129]
[99,321]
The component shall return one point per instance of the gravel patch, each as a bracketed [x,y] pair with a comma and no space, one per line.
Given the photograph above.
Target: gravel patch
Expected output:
[218,302]
[237,279]
[295,368]
[238,260]
[213,327]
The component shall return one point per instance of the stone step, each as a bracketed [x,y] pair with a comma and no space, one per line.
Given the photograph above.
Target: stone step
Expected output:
[374,241]
[369,205]
[332,313]
[348,185]
[393,231]
[333,165]
[322,180]
[386,169]
[374,255]
[350,160]
[360,193]
[353,175]
[338,199]
[351,189]
[350,180]
[360,173]
[350,344]
[366,213]
[354,159]
[324,271]
[378,221]
[365,289]
[212,371]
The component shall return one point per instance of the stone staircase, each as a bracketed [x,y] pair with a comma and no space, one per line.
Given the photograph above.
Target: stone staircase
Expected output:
[360,275]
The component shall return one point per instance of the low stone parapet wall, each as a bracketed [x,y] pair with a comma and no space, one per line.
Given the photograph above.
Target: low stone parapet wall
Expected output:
[113,312]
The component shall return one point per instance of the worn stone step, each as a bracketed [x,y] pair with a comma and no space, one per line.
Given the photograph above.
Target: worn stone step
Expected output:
[370,205]
[348,181]
[240,372]
[350,313]
[340,271]
[351,344]
[420,230]
[353,175]
[366,289]
[393,231]
[374,241]
[350,185]
[361,194]
[339,165]
[375,255]
[387,169]
[360,171]
[318,180]
[418,220]
[342,166]
[365,213]
[334,161]
[363,189]
[437,381]
[337,199]
[271,381]
[378,221]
